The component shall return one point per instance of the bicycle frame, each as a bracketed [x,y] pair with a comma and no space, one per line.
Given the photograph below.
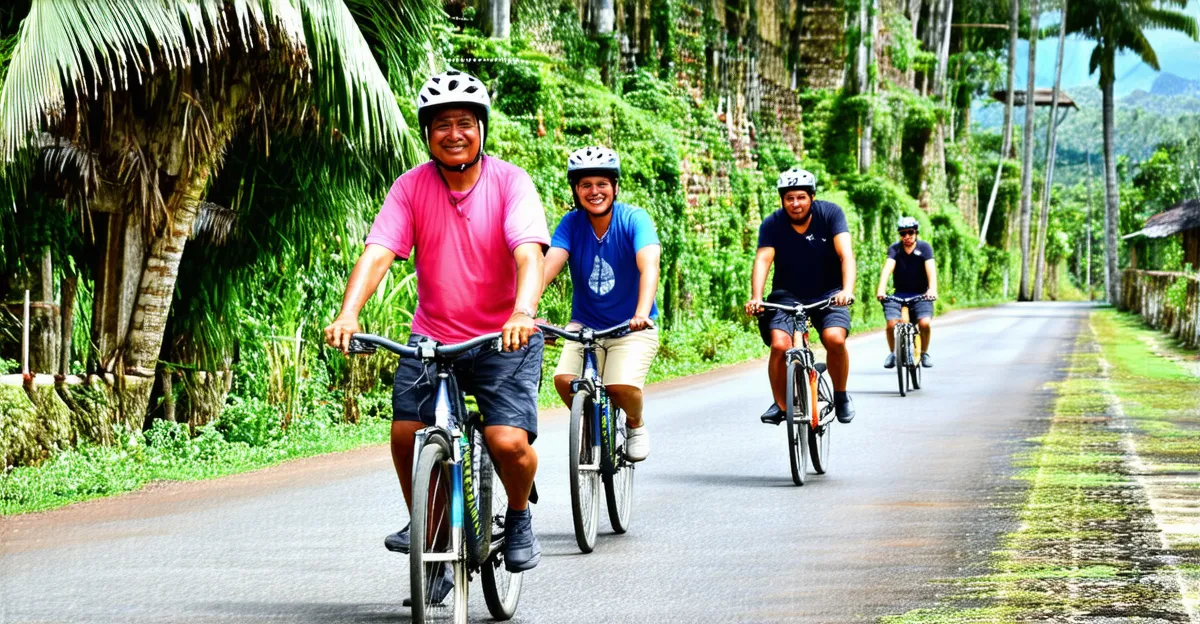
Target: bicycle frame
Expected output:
[603,429]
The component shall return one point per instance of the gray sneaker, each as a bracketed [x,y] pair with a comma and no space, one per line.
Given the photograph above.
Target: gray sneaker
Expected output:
[398,541]
[890,361]
[926,361]
[440,586]
[522,551]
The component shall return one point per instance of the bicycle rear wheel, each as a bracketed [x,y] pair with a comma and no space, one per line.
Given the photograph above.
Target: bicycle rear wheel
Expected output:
[818,439]
[501,588]
[796,412]
[584,472]
[432,542]
[901,360]
[618,484]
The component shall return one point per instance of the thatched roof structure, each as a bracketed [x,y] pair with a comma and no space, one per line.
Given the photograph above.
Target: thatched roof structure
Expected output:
[1182,217]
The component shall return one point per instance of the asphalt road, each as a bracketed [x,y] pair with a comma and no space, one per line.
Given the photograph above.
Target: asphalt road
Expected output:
[916,492]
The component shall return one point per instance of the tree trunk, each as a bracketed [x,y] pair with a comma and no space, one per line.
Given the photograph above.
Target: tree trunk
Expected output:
[603,16]
[1112,280]
[1006,141]
[1051,152]
[70,286]
[496,18]
[867,45]
[1027,155]
[943,66]
[154,296]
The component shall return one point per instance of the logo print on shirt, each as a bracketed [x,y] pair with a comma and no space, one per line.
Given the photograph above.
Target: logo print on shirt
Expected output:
[808,237]
[916,252]
[602,279]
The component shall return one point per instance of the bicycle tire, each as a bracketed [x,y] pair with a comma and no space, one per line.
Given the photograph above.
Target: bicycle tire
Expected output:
[477,526]
[914,375]
[618,483]
[431,509]
[585,484]
[501,588]
[819,438]
[797,396]
[901,361]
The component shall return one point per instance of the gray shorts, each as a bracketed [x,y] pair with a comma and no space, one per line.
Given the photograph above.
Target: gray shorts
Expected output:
[833,316]
[917,311]
[504,384]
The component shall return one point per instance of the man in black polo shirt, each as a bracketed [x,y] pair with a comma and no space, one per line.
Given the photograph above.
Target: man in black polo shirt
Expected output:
[809,243]
[916,274]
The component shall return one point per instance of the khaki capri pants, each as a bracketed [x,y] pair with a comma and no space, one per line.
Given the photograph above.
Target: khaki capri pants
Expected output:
[622,361]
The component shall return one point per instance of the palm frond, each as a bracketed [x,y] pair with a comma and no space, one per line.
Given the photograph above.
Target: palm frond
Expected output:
[1171,20]
[76,50]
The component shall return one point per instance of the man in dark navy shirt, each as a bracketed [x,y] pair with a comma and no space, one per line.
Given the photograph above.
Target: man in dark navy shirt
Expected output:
[911,261]
[809,243]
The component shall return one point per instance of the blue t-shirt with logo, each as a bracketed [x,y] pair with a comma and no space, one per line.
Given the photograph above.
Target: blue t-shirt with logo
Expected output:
[604,270]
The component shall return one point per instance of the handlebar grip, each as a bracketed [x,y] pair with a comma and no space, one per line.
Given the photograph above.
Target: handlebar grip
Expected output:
[361,347]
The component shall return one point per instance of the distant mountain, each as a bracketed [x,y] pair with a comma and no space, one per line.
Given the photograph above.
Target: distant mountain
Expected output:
[1169,84]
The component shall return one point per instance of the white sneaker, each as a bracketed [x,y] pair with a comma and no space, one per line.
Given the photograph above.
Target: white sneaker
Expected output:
[637,443]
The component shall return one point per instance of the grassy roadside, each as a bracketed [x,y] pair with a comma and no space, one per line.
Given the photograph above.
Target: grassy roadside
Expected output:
[1088,547]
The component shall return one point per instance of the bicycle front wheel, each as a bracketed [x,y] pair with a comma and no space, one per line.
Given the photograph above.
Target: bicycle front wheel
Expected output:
[818,439]
[901,361]
[501,588]
[584,477]
[618,485]
[432,550]
[797,413]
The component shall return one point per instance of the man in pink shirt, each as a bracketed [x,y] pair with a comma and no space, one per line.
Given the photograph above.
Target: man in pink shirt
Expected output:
[479,234]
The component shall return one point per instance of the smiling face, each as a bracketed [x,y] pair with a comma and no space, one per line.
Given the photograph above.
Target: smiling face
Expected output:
[454,136]
[595,194]
[798,204]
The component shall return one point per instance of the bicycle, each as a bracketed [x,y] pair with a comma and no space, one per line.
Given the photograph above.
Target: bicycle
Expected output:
[810,409]
[456,473]
[596,443]
[908,345]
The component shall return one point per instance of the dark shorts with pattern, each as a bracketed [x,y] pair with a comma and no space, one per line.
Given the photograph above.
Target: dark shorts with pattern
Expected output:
[917,311]
[833,316]
[504,384]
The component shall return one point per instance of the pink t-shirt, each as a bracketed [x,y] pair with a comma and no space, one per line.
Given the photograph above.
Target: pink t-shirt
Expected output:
[466,274]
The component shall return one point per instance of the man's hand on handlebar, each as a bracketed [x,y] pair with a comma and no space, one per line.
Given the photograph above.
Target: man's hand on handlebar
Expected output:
[754,307]
[842,298]
[517,330]
[338,333]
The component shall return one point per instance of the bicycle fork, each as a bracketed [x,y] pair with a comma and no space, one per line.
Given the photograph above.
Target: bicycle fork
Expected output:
[441,418]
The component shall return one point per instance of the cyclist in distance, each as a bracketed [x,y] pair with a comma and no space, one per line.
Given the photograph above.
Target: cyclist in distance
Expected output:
[911,261]
[612,251]
[808,241]
[479,231]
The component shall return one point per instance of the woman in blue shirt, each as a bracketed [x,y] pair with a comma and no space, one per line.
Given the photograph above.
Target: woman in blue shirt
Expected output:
[612,252]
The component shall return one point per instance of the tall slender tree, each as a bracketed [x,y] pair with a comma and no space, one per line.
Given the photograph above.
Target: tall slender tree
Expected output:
[1051,152]
[1006,139]
[1116,26]
[1023,293]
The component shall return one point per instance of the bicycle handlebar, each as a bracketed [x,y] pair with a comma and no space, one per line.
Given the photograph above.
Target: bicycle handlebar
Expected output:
[907,300]
[368,343]
[581,335]
[800,307]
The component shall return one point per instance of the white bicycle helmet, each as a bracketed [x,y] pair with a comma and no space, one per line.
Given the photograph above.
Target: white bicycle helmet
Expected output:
[593,160]
[796,178]
[908,223]
[454,88]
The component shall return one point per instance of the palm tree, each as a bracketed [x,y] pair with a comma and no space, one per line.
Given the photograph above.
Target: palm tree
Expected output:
[1027,153]
[149,95]
[1006,140]
[1051,151]
[1115,26]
